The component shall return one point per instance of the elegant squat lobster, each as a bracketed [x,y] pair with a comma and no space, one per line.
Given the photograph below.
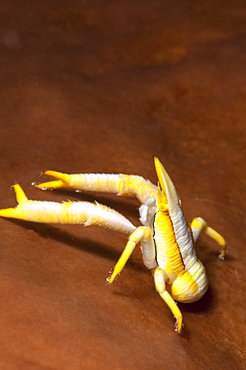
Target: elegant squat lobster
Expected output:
[167,239]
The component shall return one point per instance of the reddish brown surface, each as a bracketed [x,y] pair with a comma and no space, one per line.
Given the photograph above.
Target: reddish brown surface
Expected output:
[103,86]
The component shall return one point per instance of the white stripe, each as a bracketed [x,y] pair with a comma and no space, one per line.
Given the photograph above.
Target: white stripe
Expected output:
[183,237]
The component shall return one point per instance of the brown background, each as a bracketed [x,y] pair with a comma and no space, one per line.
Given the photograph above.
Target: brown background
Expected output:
[103,86]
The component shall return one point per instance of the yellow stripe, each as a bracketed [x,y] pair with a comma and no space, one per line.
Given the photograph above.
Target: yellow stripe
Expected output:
[170,251]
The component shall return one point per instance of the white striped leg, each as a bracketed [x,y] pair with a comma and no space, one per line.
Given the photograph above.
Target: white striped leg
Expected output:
[118,184]
[67,213]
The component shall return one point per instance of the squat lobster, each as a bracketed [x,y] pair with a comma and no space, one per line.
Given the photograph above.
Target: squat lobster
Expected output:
[167,239]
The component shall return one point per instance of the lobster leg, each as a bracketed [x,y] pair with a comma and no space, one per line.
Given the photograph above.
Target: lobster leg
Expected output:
[198,225]
[141,233]
[119,184]
[67,213]
[160,278]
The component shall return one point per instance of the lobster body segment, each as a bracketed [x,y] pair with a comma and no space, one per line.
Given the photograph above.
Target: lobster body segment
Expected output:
[167,240]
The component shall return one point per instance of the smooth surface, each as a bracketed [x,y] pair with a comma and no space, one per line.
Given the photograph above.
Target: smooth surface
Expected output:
[104,86]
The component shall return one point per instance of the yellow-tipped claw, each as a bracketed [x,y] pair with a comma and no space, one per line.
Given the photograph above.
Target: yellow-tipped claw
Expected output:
[62,181]
[8,213]
[19,193]
[14,212]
